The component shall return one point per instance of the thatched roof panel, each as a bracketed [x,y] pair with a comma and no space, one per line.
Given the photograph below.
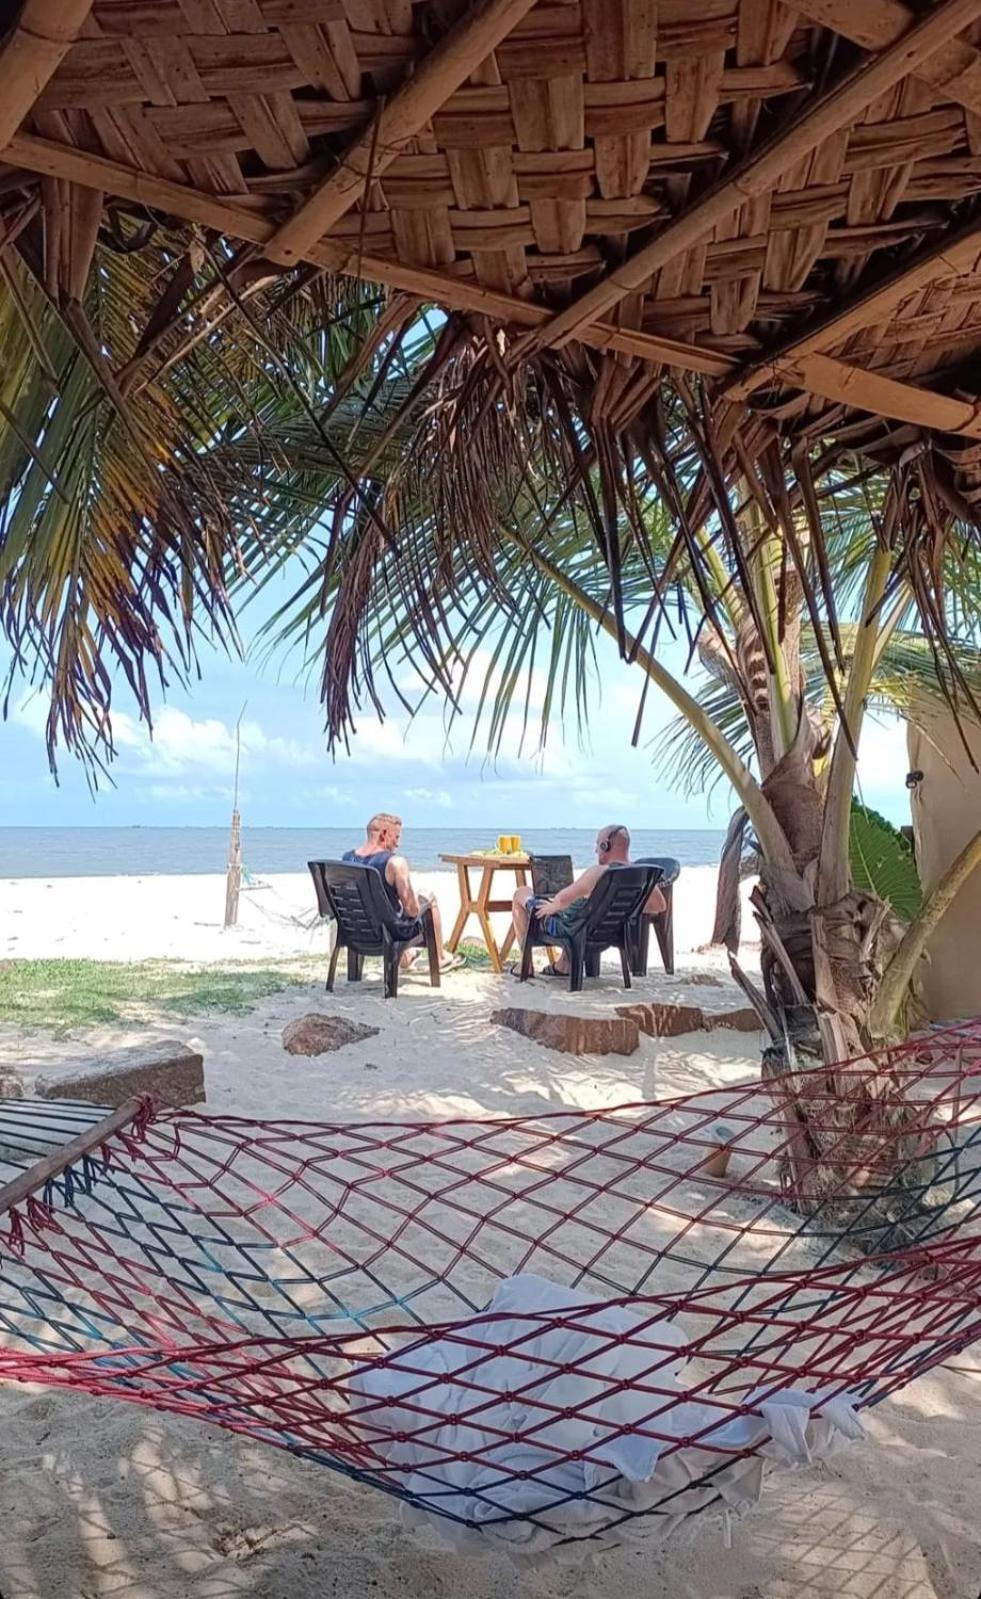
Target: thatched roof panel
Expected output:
[783,198]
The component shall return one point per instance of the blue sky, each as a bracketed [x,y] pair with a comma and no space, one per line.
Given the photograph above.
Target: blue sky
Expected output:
[183,776]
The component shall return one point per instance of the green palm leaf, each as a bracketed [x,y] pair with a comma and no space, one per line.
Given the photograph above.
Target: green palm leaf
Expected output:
[882,862]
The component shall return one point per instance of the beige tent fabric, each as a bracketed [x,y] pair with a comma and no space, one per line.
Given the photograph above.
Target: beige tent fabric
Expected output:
[946,814]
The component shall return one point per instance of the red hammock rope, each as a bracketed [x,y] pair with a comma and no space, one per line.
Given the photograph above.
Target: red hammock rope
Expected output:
[653,1330]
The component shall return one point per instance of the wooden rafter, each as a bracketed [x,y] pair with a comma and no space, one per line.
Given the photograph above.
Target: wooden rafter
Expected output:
[448,65]
[832,380]
[211,211]
[757,175]
[883,396]
[947,259]
[952,73]
[34,49]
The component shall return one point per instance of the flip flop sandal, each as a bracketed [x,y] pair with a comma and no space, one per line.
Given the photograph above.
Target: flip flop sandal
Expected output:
[454,964]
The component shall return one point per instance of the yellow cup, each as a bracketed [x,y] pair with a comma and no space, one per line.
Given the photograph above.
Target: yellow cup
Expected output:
[504,844]
[515,842]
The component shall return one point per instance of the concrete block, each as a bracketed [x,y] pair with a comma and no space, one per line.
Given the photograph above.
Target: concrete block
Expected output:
[572,1035]
[168,1069]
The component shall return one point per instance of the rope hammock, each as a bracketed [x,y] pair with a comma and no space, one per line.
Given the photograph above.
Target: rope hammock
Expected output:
[530,1330]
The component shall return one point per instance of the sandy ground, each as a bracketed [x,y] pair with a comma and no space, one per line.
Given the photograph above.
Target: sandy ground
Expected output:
[100,1501]
[135,918]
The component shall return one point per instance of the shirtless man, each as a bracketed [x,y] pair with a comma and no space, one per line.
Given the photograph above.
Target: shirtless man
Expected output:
[563,912]
[380,850]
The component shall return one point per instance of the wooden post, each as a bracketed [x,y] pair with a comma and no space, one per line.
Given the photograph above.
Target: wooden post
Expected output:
[233,881]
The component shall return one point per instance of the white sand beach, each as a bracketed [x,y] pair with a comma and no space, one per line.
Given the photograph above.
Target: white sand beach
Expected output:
[101,1500]
[180,918]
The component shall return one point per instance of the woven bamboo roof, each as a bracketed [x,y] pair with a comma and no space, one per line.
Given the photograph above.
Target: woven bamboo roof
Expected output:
[781,197]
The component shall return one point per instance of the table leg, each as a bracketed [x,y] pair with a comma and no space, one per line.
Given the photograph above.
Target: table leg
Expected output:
[520,881]
[466,906]
[483,916]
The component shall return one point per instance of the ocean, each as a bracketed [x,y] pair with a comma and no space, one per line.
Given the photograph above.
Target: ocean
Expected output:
[174,851]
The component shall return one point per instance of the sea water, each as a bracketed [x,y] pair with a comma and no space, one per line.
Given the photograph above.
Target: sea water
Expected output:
[174,851]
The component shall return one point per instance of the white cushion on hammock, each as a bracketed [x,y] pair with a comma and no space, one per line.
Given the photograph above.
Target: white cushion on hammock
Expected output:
[426,1392]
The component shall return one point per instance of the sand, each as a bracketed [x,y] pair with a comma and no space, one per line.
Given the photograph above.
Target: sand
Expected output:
[102,1501]
[180,918]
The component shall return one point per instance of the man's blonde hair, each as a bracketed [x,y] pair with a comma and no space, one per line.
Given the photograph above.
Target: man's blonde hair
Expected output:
[381,820]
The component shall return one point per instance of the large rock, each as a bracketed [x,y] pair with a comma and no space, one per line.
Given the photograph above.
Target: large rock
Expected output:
[318,1035]
[170,1070]
[572,1035]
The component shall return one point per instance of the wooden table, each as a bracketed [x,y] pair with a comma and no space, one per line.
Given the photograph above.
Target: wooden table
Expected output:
[481,904]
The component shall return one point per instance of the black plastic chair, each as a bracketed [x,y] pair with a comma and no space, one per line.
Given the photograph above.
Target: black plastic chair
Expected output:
[663,922]
[367,923]
[613,906]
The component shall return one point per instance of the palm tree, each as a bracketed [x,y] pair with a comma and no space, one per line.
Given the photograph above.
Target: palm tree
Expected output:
[814,581]
[131,399]
[171,441]
[808,587]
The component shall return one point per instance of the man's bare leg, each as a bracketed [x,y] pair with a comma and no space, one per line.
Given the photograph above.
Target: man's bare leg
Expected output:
[446,960]
[521,916]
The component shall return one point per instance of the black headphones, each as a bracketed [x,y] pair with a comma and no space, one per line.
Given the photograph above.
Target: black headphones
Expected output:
[607,843]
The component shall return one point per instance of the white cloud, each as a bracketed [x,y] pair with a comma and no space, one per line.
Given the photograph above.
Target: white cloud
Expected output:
[32,713]
[422,739]
[182,744]
[330,792]
[185,793]
[428,796]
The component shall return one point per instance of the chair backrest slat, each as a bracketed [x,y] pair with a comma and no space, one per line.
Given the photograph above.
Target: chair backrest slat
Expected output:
[670,868]
[355,896]
[618,897]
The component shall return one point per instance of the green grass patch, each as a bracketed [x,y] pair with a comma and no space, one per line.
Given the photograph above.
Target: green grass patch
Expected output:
[60,994]
[475,954]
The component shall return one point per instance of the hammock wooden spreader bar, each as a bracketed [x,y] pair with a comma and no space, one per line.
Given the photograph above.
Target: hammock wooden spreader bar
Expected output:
[37,1177]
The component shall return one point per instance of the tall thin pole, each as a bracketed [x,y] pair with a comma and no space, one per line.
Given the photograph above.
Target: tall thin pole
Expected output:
[233,879]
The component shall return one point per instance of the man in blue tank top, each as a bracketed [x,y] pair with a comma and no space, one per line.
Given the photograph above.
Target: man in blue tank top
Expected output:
[381,850]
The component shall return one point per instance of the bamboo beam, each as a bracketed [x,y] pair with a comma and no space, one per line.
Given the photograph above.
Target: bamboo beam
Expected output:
[833,380]
[447,66]
[883,396]
[757,175]
[950,258]
[192,205]
[38,43]
[951,74]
